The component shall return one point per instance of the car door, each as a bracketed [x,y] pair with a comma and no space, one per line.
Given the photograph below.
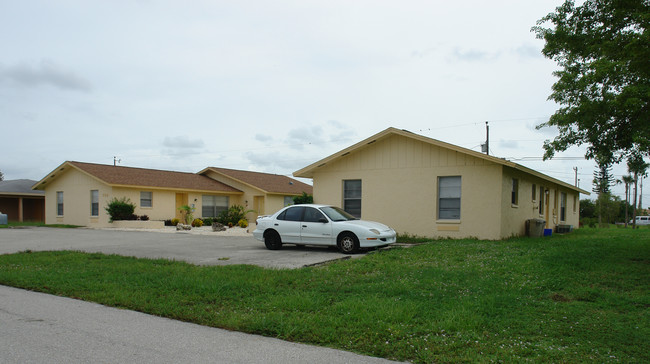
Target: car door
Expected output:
[315,228]
[287,224]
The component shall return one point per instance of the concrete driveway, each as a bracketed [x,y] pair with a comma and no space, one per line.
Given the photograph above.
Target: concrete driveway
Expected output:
[202,249]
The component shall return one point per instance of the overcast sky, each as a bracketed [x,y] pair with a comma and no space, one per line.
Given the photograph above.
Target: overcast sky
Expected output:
[269,86]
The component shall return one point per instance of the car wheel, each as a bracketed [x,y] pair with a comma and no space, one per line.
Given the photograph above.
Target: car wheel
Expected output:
[348,243]
[272,241]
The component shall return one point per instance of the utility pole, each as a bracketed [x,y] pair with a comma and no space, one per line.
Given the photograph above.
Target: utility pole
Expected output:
[116,161]
[575,169]
[487,138]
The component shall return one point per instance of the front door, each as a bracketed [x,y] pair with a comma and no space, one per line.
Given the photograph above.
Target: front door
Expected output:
[181,199]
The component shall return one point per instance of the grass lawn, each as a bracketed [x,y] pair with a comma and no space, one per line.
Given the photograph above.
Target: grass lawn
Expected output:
[13,224]
[579,297]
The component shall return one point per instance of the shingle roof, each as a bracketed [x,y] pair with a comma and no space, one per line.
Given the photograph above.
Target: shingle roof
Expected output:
[270,183]
[18,187]
[129,176]
[308,172]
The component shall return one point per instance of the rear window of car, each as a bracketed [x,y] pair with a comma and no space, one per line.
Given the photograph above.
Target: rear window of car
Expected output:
[292,214]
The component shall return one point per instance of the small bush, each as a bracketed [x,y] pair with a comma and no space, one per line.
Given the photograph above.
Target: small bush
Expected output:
[208,221]
[230,224]
[243,223]
[232,216]
[303,199]
[121,209]
[144,218]
[197,222]
[175,221]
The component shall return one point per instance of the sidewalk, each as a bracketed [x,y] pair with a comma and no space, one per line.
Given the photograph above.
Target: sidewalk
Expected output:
[41,328]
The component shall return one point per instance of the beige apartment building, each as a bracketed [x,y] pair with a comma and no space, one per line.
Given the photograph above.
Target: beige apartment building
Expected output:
[426,187]
[77,193]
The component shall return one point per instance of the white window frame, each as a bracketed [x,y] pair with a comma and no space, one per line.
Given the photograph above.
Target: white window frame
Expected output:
[144,199]
[94,203]
[449,189]
[213,205]
[59,203]
[351,195]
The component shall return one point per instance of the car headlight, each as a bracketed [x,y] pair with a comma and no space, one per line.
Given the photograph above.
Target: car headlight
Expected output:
[374,231]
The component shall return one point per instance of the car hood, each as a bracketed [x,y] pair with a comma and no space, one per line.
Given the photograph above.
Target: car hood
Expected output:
[366,224]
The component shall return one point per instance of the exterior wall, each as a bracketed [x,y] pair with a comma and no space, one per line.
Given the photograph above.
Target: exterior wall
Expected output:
[400,187]
[515,215]
[76,187]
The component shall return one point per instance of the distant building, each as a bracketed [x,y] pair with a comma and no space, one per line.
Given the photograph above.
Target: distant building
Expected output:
[20,202]
[77,193]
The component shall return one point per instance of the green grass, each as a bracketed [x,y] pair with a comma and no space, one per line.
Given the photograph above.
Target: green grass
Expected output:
[569,298]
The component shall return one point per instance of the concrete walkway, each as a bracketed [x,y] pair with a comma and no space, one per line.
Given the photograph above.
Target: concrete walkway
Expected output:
[41,328]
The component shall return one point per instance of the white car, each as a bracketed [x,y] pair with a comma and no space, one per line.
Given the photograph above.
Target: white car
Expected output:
[321,225]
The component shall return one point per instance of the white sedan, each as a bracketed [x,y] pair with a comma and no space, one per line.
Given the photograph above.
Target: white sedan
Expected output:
[321,225]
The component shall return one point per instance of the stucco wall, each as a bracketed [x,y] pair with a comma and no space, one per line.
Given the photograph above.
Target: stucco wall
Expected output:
[76,187]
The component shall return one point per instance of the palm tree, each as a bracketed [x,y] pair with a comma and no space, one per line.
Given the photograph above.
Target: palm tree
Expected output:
[628,180]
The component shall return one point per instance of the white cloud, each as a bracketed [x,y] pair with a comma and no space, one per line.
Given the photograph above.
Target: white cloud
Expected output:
[182,142]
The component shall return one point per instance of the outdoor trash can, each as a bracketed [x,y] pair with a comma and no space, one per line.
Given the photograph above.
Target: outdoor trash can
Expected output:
[3,219]
[535,227]
[548,232]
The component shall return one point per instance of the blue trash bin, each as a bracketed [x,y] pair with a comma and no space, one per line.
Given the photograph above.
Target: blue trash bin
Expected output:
[548,232]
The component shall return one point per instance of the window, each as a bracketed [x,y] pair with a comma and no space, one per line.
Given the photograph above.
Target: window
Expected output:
[94,203]
[449,198]
[312,215]
[212,206]
[514,196]
[534,192]
[292,214]
[352,197]
[59,203]
[288,200]
[541,200]
[146,199]
[563,206]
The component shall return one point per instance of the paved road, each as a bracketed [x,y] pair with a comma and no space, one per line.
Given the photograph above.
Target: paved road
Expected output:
[41,328]
[196,249]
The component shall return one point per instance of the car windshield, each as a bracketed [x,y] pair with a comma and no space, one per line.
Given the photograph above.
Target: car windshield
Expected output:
[337,214]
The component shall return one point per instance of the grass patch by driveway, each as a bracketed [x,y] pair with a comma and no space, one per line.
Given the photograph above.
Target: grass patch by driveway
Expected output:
[578,297]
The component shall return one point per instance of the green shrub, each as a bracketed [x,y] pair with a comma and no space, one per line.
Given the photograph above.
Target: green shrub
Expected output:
[175,221]
[121,209]
[208,221]
[303,199]
[197,222]
[233,215]
[187,211]
[243,223]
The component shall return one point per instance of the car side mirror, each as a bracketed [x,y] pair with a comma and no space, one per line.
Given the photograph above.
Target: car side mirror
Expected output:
[323,220]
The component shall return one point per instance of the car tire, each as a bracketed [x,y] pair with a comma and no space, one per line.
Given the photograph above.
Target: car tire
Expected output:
[272,241]
[348,243]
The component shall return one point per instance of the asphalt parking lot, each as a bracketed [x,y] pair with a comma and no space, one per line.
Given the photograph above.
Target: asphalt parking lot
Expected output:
[192,248]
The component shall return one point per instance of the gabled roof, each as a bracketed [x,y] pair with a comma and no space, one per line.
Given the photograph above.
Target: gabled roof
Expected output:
[265,182]
[308,172]
[118,176]
[19,187]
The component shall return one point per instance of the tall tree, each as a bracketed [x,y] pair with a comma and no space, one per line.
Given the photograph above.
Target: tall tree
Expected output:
[627,181]
[638,167]
[603,179]
[2,176]
[603,85]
